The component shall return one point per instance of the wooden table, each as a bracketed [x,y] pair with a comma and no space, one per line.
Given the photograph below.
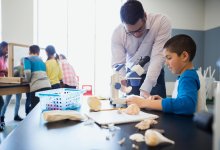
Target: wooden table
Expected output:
[34,134]
[11,88]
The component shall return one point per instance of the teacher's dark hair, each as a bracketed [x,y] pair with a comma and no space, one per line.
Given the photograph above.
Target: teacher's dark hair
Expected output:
[131,12]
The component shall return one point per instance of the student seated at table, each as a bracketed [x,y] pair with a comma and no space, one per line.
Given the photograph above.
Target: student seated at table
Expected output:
[179,52]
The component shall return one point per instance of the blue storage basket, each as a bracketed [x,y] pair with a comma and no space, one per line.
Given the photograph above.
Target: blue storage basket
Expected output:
[60,99]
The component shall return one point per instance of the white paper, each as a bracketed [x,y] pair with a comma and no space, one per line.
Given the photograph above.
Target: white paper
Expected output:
[112,116]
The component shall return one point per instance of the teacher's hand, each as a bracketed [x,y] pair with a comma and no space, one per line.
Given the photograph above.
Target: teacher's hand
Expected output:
[144,94]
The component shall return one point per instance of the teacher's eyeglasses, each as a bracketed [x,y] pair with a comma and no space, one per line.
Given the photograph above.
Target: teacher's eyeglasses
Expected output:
[138,31]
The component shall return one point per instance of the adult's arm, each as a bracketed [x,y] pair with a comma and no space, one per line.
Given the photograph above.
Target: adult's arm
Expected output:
[118,49]
[157,56]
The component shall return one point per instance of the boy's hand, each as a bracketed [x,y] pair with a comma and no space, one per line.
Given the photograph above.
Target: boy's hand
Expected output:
[154,97]
[134,99]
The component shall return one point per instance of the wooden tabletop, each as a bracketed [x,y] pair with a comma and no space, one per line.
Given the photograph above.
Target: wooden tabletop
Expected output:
[12,88]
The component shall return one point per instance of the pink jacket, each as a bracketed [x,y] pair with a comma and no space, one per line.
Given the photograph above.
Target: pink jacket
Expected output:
[3,66]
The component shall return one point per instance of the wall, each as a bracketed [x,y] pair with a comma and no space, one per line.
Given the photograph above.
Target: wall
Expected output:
[17,21]
[212,49]
[185,14]
[212,11]
[212,35]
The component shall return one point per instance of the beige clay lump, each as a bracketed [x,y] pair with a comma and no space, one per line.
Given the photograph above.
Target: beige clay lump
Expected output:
[132,109]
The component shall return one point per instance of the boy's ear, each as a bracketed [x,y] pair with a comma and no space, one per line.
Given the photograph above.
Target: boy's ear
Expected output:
[185,56]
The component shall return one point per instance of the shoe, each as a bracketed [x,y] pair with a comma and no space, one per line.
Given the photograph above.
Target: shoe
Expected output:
[2,121]
[18,118]
[2,126]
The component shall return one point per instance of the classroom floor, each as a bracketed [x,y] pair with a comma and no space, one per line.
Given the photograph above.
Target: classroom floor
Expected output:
[9,118]
[11,124]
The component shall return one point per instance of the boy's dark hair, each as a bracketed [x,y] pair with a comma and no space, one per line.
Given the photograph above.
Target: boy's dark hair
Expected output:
[131,12]
[34,49]
[180,43]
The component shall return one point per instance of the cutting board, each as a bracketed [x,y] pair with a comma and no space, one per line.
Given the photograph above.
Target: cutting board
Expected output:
[112,116]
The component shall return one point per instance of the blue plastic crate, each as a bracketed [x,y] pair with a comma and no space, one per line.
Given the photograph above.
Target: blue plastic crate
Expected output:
[60,99]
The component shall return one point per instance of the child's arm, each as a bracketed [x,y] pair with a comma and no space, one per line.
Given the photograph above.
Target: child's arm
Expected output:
[186,100]
[153,102]
[27,70]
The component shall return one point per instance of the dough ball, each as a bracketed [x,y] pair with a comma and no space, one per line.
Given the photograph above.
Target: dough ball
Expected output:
[132,109]
[94,103]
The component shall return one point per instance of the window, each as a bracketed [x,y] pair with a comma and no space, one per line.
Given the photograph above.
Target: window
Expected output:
[81,31]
